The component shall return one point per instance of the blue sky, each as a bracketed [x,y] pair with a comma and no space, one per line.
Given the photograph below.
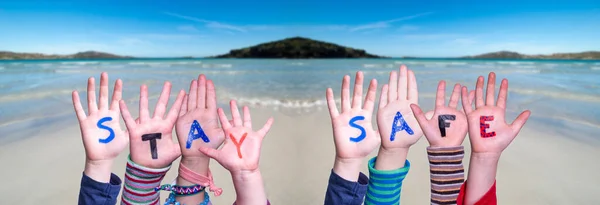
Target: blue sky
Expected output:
[392,28]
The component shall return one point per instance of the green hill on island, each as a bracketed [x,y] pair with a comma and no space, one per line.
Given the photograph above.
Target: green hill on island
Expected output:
[589,55]
[297,47]
[6,55]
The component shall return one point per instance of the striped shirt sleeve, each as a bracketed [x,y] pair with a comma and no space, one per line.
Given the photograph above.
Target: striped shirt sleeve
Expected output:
[385,186]
[447,173]
[140,182]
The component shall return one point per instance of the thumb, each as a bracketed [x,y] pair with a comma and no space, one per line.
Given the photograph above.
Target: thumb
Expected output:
[520,121]
[210,152]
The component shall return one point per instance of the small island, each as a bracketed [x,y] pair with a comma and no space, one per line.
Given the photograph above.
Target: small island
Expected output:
[589,55]
[6,55]
[297,48]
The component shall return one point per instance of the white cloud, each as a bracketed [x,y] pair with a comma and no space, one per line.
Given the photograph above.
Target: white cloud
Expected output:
[386,24]
[187,28]
[408,28]
[210,24]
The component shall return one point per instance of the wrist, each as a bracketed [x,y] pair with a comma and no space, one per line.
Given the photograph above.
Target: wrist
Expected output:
[196,164]
[391,158]
[485,157]
[348,169]
[249,187]
[98,170]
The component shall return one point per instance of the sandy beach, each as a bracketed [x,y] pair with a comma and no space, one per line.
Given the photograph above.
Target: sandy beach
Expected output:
[552,161]
[297,155]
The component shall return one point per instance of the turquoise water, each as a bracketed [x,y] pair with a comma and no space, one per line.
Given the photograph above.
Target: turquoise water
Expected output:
[563,95]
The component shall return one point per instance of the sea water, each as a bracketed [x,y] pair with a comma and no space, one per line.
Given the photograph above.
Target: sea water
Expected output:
[564,95]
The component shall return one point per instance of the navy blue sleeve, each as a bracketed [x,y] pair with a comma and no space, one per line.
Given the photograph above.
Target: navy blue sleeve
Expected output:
[92,192]
[344,192]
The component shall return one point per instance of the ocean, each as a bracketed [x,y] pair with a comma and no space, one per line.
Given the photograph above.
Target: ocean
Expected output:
[563,95]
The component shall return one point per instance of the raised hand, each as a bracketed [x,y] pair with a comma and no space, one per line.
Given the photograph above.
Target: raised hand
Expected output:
[488,130]
[197,124]
[448,126]
[101,133]
[151,143]
[353,132]
[241,150]
[395,120]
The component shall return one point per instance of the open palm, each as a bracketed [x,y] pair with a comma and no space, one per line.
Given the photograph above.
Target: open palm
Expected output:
[199,106]
[495,138]
[164,151]
[241,150]
[450,129]
[353,132]
[396,97]
[101,133]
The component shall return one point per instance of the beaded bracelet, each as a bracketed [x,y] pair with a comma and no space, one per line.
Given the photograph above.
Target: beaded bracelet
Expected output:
[181,190]
[171,200]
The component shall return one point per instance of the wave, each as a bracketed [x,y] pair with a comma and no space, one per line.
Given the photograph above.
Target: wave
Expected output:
[595,68]
[81,63]
[559,95]
[25,95]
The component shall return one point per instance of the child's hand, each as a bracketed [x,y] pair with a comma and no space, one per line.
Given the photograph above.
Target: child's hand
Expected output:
[448,126]
[151,144]
[488,131]
[197,124]
[353,132]
[101,133]
[397,125]
[241,150]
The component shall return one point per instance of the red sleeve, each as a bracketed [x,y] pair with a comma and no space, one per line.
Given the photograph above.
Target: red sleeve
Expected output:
[488,199]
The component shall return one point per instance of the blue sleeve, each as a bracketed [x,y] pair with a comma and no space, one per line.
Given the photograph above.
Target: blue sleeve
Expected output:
[385,186]
[92,192]
[341,191]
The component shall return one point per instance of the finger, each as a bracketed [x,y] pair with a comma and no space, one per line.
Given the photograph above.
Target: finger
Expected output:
[103,103]
[225,123]
[466,103]
[471,97]
[413,91]
[403,83]
[383,96]
[479,92]
[183,109]
[393,87]
[520,121]
[235,114]
[502,95]
[91,96]
[210,152]
[454,97]
[129,122]
[265,129]
[201,101]
[333,111]
[211,95]
[163,100]
[176,108]
[358,87]
[429,114]
[440,97]
[491,89]
[177,148]
[193,95]
[346,93]
[77,106]
[117,95]
[247,118]
[371,94]
[419,115]
[144,113]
